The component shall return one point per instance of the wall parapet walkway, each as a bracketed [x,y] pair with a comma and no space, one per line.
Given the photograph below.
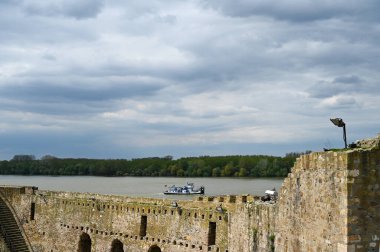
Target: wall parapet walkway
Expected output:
[55,221]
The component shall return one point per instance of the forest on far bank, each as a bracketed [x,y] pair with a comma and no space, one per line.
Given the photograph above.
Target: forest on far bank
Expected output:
[204,166]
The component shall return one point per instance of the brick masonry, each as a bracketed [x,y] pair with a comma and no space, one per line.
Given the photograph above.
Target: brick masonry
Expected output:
[329,202]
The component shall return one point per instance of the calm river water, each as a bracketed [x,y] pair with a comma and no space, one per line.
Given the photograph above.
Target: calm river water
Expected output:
[144,186]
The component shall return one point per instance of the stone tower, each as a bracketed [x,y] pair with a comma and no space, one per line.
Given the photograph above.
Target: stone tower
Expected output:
[331,201]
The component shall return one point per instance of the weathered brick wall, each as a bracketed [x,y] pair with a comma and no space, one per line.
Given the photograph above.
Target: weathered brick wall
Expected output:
[60,218]
[262,229]
[252,226]
[331,202]
[65,216]
[364,201]
[312,205]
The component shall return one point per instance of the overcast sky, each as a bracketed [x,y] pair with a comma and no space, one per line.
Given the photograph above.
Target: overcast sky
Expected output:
[133,78]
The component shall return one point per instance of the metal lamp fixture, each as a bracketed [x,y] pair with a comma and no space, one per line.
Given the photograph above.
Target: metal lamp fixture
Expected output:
[339,122]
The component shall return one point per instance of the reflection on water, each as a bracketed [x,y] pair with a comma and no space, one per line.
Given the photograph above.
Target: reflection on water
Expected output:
[144,186]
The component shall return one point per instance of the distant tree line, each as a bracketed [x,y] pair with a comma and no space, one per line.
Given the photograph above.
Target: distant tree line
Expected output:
[204,166]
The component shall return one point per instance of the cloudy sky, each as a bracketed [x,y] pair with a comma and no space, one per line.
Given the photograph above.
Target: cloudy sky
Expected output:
[133,78]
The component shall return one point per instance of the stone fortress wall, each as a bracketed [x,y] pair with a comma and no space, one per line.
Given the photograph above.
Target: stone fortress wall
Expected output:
[329,202]
[55,221]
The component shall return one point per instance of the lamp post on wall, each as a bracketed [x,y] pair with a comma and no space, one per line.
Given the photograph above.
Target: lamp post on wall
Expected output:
[339,122]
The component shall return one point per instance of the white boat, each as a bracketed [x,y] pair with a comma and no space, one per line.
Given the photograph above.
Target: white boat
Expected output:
[188,189]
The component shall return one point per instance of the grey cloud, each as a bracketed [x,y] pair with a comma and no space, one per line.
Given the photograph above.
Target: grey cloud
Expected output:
[341,102]
[156,67]
[77,110]
[340,85]
[77,91]
[49,57]
[170,19]
[17,29]
[5,2]
[70,8]
[298,10]
[42,142]
[71,96]
[138,8]
[348,79]
[11,2]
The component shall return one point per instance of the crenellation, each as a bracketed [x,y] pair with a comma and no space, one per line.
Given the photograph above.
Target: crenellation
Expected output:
[329,202]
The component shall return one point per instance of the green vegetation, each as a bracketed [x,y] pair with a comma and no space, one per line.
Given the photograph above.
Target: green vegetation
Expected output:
[272,237]
[205,166]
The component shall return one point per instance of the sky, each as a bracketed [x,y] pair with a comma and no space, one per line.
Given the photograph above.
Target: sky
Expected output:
[133,78]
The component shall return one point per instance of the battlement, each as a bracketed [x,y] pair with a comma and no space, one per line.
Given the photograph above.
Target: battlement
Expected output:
[329,202]
[203,223]
[371,143]
[9,190]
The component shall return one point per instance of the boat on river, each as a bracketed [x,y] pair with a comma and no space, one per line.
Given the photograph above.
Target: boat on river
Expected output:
[187,189]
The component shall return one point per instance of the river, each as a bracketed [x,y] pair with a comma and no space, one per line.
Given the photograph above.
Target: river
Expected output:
[144,186]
